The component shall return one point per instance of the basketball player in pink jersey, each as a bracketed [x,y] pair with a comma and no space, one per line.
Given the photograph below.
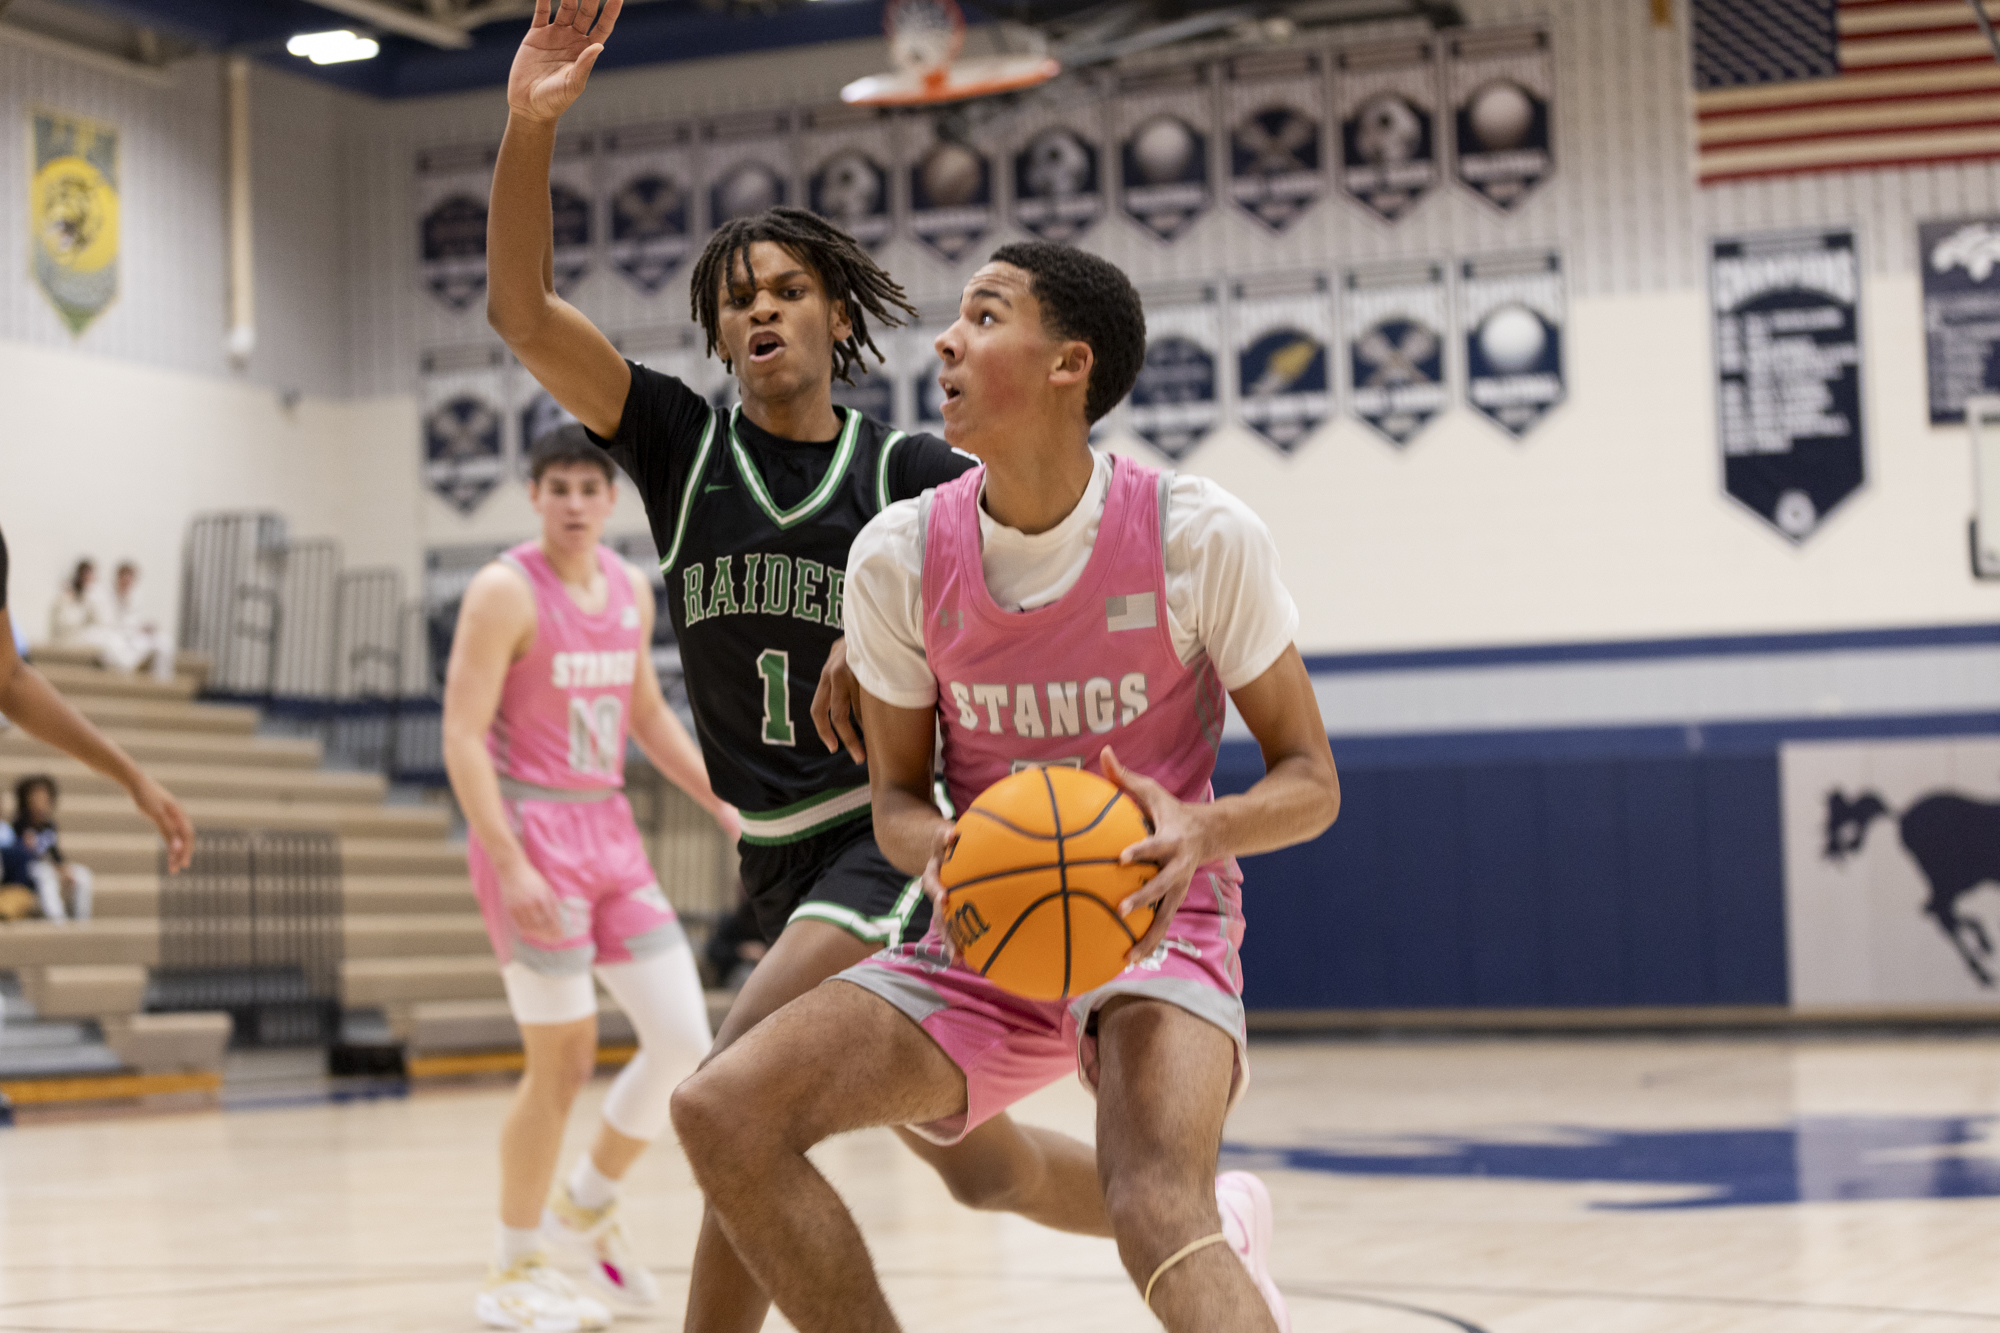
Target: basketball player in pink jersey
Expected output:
[551,669]
[1048,607]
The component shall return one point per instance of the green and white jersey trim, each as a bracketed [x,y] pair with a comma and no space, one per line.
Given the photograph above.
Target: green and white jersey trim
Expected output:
[886,930]
[895,437]
[843,454]
[804,818]
[688,496]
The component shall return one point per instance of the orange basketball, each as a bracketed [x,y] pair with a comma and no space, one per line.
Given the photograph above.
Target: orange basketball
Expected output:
[1034,883]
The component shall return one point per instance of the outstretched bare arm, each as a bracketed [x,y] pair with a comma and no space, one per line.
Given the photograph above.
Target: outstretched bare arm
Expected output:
[27,698]
[574,362]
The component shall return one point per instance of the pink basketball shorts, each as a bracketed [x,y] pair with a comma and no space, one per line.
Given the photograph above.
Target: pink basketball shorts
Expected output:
[591,856]
[1008,1047]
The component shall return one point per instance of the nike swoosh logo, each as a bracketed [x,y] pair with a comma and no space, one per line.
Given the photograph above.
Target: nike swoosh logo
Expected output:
[712,486]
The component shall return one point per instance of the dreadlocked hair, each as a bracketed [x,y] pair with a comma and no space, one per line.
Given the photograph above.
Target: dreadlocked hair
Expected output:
[845,270]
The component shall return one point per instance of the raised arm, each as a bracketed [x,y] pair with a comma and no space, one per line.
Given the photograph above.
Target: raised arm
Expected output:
[496,623]
[28,700]
[1296,800]
[661,736]
[563,350]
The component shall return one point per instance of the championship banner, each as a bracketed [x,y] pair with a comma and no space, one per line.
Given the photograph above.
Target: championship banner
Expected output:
[1160,122]
[1788,373]
[1061,171]
[571,184]
[845,156]
[649,174]
[1274,106]
[1961,268]
[1511,308]
[462,393]
[1395,320]
[450,191]
[1501,85]
[1281,328]
[747,162]
[1177,400]
[1386,100]
[535,412]
[73,209]
[952,191]
[1892,848]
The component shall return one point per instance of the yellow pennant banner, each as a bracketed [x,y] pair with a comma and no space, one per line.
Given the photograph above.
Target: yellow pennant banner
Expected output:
[73,213]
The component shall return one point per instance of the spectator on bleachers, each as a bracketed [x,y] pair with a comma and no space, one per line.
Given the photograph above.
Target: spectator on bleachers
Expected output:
[18,899]
[139,644]
[55,877]
[76,620]
[121,637]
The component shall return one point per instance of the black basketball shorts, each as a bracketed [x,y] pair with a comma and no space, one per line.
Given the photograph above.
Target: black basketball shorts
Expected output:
[838,876]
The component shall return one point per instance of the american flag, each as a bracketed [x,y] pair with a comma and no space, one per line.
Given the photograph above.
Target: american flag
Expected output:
[1790,86]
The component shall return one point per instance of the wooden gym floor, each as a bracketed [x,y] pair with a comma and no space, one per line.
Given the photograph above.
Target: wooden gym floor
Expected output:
[1507,1186]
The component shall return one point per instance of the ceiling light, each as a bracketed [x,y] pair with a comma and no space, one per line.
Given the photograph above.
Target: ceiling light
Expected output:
[331,48]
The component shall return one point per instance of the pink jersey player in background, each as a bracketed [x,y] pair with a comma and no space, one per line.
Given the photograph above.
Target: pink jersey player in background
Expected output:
[550,671]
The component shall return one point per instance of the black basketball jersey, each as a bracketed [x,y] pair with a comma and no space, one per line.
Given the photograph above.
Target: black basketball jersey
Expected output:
[753,532]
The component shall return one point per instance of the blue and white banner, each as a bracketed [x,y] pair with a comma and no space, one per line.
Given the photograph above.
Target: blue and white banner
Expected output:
[1062,170]
[1788,374]
[462,394]
[1892,851]
[1178,398]
[1502,83]
[954,196]
[649,181]
[846,156]
[1961,267]
[1511,308]
[1275,107]
[450,193]
[1396,325]
[572,187]
[1281,333]
[1161,122]
[746,164]
[1386,107]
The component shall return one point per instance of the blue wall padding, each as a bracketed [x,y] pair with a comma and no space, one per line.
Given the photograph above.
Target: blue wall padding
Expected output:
[1528,883]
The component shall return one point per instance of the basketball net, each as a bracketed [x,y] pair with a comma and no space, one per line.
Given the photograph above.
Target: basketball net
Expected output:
[925,39]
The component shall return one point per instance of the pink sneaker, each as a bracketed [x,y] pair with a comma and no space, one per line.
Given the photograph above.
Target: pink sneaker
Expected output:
[1246,1220]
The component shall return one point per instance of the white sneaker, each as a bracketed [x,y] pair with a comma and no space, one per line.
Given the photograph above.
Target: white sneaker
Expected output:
[615,1271]
[1246,1221]
[535,1298]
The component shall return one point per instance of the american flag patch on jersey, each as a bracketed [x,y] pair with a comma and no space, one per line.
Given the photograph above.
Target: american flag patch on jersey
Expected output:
[1132,611]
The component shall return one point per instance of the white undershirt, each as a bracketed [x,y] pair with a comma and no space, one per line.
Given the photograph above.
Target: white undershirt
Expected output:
[1224,595]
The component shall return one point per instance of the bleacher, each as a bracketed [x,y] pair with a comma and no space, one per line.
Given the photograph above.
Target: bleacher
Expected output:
[416,965]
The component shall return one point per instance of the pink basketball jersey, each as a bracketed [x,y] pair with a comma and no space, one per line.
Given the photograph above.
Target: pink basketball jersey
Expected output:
[566,704]
[1057,683]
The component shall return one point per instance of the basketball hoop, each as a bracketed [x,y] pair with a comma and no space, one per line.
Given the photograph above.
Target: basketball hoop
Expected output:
[925,38]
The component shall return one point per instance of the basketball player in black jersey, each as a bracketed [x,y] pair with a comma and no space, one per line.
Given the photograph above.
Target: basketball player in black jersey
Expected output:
[753,511]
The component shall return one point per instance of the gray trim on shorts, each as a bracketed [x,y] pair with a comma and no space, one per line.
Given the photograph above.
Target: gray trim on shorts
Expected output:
[913,999]
[513,789]
[554,962]
[663,938]
[1185,993]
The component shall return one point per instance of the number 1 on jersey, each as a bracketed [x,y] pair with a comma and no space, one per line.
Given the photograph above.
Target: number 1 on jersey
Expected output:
[775,666]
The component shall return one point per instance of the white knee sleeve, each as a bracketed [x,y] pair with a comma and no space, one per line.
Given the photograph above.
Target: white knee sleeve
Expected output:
[662,996]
